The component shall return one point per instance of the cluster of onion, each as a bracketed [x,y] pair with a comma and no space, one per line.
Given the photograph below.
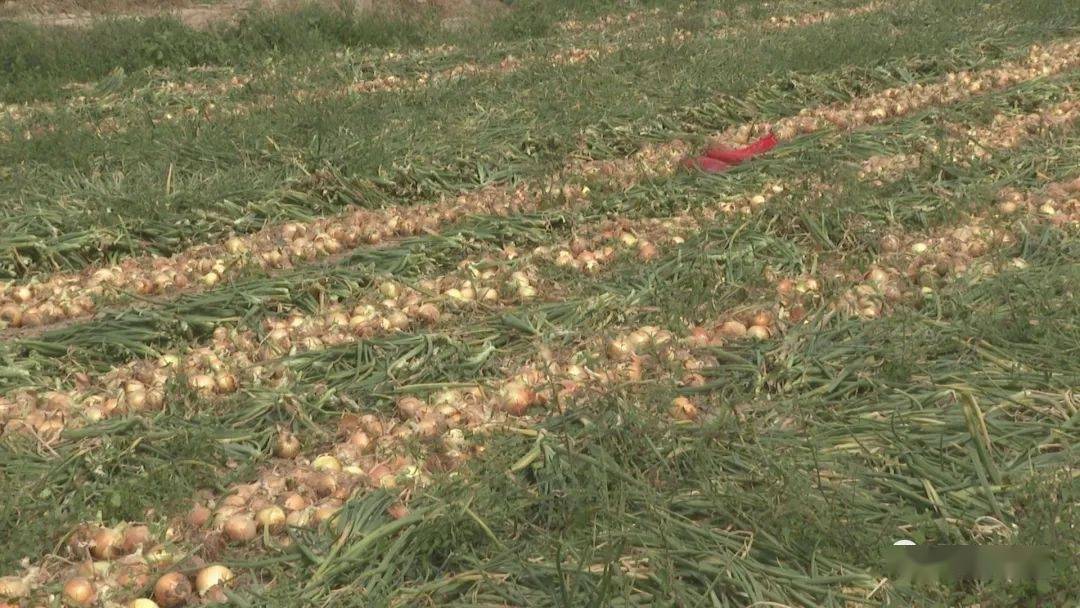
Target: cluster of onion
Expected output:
[1003,132]
[574,56]
[1059,202]
[913,265]
[887,168]
[425,436]
[755,324]
[898,101]
[113,562]
[785,22]
[392,83]
[211,370]
[65,296]
[1006,131]
[597,245]
[602,23]
[650,161]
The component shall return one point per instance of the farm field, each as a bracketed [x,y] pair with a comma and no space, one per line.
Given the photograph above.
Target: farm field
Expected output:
[320,306]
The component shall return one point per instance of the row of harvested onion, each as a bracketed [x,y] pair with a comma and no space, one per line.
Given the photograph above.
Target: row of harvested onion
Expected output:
[1004,132]
[373,452]
[244,358]
[313,491]
[66,296]
[912,266]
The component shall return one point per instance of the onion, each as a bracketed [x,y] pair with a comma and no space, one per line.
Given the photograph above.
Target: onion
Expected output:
[639,339]
[382,477]
[13,587]
[202,382]
[878,276]
[324,513]
[763,319]
[372,425]
[699,336]
[619,349]
[890,243]
[732,329]
[286,445]
[326,462]
[758,332]
[142,602]
[106,543]
[428,427]
[410,407]
[12,314]
[235,245]
[324,484]
[299,519]
[515,398]
[240,528]
[271,518]
[295,502]
[361,441]
[224,382]
[198,516]
[683,409]
[172,590]
[210,577]
[785,287]
[79,592]
[135,537]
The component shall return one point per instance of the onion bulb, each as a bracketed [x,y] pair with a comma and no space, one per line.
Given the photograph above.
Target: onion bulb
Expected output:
[381,476]
[295,502]
[105,544]
[135,537]
[763,319]
[683,409]
[639,339]
[409,407]
[240,528]
[142,602]
[619,349]
[515,398]
[326,462]
[198,516]
[210,577]
[286,445]
[732,329]
[758,332]
[202,382]
[361,441]
[323,484]
[172,590]
[271,518]
[79,592]
[13,587]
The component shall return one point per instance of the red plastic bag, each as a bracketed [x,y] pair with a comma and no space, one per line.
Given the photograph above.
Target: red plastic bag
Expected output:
[738,155]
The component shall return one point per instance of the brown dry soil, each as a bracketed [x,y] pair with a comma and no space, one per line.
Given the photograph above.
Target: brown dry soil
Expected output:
[202,14]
